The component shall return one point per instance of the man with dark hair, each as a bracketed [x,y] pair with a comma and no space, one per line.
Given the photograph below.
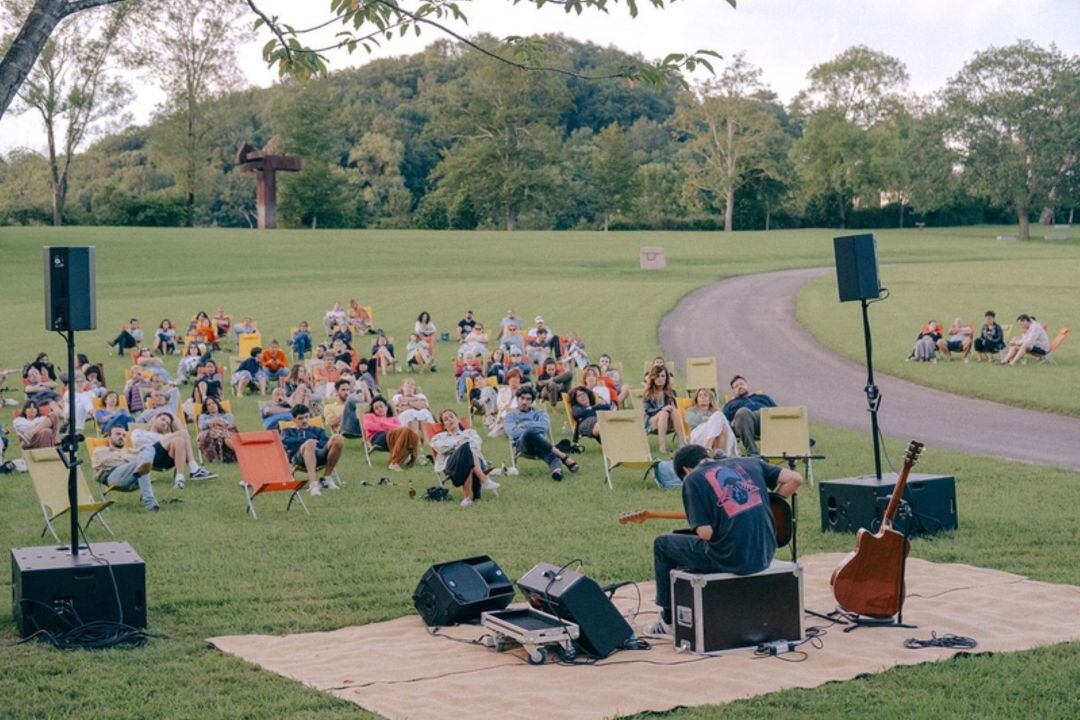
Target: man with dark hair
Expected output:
[169,449]
[126,468]
[465,325]
[311,448]
[250,371]
[991,338]
[743,411]
[1034,341]
[731,524]
[527,427]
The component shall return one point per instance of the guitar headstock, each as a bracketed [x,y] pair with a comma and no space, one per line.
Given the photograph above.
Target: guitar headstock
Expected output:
[914,450]
[634,516]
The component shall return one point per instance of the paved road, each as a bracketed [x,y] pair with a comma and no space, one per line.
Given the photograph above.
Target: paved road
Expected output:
[749,324]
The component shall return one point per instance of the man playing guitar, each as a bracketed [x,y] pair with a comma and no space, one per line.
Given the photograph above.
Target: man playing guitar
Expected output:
[727,509]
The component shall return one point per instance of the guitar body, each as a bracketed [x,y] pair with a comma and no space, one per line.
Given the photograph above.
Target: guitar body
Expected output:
[870,580]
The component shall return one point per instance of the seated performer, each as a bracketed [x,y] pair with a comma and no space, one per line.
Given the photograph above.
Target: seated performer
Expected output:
[727,507]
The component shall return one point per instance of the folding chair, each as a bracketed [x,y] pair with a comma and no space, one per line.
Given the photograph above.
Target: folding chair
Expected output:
[701,373]
[246,341]
[670,364]
[570,423]
[1048,358]
[197,410]
[785,437]
[470,385]
[433,429]
[683,404]
[315,422]
[50,478]
[265,468]
[623,441]
[93,444]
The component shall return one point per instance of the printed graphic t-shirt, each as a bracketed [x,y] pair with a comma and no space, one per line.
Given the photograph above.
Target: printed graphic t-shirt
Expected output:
[732,497]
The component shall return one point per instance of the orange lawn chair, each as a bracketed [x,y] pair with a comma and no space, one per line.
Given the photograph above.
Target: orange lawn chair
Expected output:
[265,468]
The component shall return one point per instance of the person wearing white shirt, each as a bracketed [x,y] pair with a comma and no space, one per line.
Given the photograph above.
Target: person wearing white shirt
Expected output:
[1034,341]
[459,458]
[172,449]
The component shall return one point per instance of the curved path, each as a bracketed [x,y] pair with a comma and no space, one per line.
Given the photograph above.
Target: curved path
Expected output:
[749,324]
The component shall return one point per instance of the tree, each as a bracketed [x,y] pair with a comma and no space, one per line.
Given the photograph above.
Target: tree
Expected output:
[376,162]
[1015,117]
[365,24]
[506,153]
[860,82]
[70,88]
[612,173]
[189,51]
[731,137]
[659,196]
[831,159]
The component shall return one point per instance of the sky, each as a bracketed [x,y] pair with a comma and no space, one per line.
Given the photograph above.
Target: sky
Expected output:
[934,38]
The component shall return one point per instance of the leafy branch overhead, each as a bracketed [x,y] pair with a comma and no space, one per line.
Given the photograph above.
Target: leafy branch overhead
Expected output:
[368,24]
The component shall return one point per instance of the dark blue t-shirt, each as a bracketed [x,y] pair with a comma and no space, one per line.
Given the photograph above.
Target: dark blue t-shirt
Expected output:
[744,533]
[753,401]
[293,438]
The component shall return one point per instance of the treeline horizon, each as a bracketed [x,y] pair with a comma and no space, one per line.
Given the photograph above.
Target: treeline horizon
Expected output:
[447,139]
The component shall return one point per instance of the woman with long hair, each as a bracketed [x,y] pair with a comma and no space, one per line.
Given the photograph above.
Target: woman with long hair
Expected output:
[459,458]
[165,338]
[708,426]
[661,413]
[215,432]
[383,431]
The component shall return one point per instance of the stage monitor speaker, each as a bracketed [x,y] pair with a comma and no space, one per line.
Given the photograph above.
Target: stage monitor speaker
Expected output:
[928,507]
[70,296]
[54,591]
[578,599]
[857,267]
[458,591]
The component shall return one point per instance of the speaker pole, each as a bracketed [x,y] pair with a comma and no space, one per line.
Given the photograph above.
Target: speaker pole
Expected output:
[70,447]
[873,395]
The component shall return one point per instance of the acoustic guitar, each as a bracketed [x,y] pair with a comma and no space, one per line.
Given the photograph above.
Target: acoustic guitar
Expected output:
[870,580]
[781,513]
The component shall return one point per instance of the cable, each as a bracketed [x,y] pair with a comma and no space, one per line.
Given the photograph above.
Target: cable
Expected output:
[948,640]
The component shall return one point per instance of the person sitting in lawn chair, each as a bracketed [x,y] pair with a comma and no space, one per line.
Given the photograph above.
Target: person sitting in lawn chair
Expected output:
[1034,341]
[383,431]
[208,382]
[216,428]
[991,338]
[528,428]
[661,411]
[708,426]
[359,318]
[497,401]
[274,362]
[339,409]
[250,371]
[300,341]
[189,363]
[222,323]
[743,411]
[171,447]
[112,414]
[334,317]
[418,354]
[583,407]
[125,468]
[459,458]
[37,430]
[553,381]
[165,338]
[926,342]
[958,340]
[309,447]
[382,352]
[411,406]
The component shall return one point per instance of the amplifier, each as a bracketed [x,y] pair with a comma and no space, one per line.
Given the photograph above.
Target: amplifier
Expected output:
[928,505]
[52,590]
[717,612]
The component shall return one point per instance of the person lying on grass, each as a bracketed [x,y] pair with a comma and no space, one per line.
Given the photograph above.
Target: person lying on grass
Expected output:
[312,448]
[528,428]
[459,458]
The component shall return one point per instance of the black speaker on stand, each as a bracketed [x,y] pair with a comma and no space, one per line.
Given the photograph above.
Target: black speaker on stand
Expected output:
[58,589]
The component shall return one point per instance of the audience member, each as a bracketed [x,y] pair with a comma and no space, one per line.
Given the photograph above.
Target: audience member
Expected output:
[528,429]
[250,371]
[958,340]
[125,468]
[497,366]
[743,411]
[465,325]
[216,428]
[39,388]
[583,407]
[301,340]
[424,327]
[189,363]
[411,406]
[312,448]
[384,431]
[708,426]
[276,409]
[418,354]
[468,368]
[245,327]
[36,430]
[926,342]
[334,318]
[553,381]
[509,319]
[459,458]
[112,414]
[165,338]
[1034,341]
[274,362]
[991,338]
[359,318]
[512,339]
[172,449]
[130,336]
[382,352]
[208,382]
[475,341]
[222,323]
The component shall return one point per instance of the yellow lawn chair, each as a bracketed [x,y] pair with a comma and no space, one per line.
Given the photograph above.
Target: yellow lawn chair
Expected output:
[50,478]
[701,373]
[670,364]
[246,342]
[623,441]
[684,404]
[785,436]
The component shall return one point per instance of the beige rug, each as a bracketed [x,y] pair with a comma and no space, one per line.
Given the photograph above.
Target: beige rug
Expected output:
[399,670]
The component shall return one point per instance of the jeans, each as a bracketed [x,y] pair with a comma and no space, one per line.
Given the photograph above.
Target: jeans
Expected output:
[462,379]
[301,343]
[124,477]
[678,551]
[747,427]
[123,341]
[350,423]
[270,422]
[534,443]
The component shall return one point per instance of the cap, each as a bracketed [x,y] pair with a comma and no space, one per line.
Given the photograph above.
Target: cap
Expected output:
[538,318]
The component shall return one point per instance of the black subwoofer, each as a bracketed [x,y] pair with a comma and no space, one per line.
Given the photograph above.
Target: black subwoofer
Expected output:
[458,591]
[928,507]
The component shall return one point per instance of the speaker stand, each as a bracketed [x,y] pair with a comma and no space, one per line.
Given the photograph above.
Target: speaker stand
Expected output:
[873,395]
[69,447]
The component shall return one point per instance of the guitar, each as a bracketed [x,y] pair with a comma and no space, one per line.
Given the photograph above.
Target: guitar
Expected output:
[781,513]
[870,580]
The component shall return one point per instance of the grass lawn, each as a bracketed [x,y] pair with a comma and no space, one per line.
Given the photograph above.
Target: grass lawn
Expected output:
[357,558]
[945,290]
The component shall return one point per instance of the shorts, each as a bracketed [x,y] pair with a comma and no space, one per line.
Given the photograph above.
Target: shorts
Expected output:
[955,345]
[988,346]
[162,459]
[1038,351]
[279,373]
[320,458]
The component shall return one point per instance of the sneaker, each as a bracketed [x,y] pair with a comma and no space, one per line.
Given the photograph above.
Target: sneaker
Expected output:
[314,490]
[202,473]
[495,472]
[466,502]
[179,484]
[512,471]
[556,475]
[489,484]
[154,508]
[659,628]
[144,468]
[329,484]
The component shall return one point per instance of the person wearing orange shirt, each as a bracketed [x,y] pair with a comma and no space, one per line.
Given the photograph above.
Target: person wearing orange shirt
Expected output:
[274,362]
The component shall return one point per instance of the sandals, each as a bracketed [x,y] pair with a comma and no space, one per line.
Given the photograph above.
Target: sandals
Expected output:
[571,464]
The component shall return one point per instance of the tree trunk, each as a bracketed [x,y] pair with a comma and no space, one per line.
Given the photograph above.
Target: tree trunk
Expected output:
[23,53]
[1046,217]
[511,219]
[1022,219]
[843,212]
[729,209]
[901,225]
[768,216]
[607,221]
[189,200]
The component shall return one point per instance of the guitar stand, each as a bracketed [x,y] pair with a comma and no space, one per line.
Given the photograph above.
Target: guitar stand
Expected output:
[855,621]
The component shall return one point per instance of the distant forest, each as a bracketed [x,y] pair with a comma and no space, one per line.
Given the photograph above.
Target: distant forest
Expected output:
[448,139]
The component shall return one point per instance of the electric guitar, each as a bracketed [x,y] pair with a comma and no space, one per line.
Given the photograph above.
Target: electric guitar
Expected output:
[870,580]
[781,513]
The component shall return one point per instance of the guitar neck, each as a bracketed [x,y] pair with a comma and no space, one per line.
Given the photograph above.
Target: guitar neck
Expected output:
[897,495]
[664,515]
